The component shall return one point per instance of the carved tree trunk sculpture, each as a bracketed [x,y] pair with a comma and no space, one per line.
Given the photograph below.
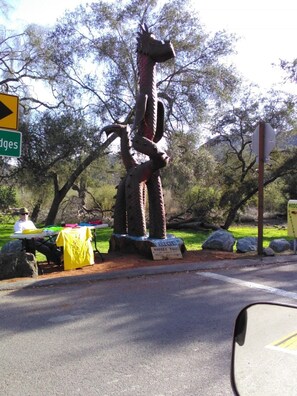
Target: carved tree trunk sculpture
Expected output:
[147,130]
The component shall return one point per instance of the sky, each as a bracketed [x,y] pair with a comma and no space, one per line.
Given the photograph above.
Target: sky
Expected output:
[266,30]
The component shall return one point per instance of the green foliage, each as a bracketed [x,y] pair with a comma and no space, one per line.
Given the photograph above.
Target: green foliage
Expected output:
[289,188]
[7,197]
[105,195]
[202,201]
[107,169]
[172,204]
[189,165]
[274,199]
[50,141]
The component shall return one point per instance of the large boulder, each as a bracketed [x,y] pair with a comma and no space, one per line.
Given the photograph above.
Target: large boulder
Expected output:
[280,245]
[17,265]
[220,240]
[247,244]
[268,252]
[293,244]
[12,246]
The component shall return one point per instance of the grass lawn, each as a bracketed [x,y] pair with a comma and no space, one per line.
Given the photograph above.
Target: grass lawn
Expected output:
[269,233]
[192,239]
[5,231]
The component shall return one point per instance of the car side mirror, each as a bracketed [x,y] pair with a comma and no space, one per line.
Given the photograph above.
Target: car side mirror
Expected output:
[264,353]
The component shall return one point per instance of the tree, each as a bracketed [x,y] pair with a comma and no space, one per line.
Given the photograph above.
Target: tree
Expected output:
[290,68]
[88,63]
[91,58]
[20,74]
[190,175]
[234,127]
[57,148]
[7,197]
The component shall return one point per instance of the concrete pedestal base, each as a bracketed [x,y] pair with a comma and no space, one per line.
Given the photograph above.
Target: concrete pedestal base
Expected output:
[142,245]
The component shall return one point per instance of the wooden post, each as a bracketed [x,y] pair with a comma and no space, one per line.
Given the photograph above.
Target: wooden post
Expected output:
[260,186]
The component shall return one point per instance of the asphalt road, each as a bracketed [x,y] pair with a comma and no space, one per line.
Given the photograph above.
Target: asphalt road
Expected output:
[153,335]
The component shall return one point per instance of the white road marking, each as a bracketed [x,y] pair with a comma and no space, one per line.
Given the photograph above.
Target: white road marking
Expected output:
[251,285]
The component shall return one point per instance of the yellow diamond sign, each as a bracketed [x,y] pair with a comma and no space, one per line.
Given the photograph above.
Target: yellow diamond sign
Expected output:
[9,106]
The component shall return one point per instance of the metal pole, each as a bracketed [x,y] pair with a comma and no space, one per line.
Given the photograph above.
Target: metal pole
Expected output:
[260,186]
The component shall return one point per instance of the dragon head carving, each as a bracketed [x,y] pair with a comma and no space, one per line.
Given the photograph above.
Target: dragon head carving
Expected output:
[158,50]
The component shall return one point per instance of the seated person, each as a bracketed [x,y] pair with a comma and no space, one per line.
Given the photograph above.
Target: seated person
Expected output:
[49,249]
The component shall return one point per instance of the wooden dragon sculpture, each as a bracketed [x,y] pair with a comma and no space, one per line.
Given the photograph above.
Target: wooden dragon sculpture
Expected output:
[147,130]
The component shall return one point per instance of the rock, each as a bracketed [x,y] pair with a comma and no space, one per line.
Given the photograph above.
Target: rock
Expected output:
[220,240]
[12,246]
[280,245]
[293,245]
[268,252]
[17,265]
[247,244]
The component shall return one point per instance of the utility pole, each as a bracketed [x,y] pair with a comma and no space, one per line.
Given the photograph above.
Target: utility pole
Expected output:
[263,142]
[261,186]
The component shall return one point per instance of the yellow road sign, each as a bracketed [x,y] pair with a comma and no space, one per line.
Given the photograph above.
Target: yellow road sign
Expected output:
[9,109]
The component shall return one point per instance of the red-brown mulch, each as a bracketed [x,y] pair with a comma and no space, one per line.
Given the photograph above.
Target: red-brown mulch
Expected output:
[120,261]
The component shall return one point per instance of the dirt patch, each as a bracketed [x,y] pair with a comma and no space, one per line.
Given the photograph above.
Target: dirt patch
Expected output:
[122,261]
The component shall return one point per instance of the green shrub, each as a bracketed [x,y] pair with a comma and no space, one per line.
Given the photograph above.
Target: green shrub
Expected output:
[105,196]
[274,199]
[7,198]
[202,201]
